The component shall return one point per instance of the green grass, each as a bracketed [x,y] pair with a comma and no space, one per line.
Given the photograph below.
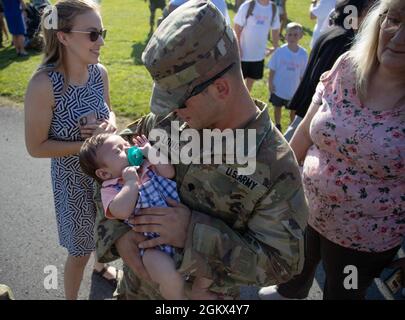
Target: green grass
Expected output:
[127,22]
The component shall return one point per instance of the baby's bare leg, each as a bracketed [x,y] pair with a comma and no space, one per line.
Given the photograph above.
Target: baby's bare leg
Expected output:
[162,270]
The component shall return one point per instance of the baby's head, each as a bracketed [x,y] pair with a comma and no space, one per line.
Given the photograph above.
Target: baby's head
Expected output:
[293,33]
[104,156]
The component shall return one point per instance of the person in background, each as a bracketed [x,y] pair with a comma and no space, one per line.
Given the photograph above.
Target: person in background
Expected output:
[220,4]
[3,29]
[319,10]
[282,11]
[252,24]
[153,6]
[287,66]
[13,12]
[331,45]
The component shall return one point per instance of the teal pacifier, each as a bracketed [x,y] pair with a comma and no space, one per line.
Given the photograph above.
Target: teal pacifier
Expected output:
[135,156]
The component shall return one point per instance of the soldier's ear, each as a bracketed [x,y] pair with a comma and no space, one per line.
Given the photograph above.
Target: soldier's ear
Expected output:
[103,174]
[222,88]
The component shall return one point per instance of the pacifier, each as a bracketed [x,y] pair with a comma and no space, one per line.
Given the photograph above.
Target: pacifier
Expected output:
[135,156]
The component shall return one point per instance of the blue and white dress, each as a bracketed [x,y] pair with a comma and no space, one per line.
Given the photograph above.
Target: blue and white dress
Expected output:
[72,189]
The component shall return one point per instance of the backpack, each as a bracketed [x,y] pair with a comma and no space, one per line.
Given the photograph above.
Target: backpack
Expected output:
[252,5]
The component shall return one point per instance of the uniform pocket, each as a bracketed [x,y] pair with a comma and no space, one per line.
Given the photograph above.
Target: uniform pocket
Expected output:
[226,257]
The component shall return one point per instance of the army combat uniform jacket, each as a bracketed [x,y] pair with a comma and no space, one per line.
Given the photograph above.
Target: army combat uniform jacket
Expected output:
[244,229]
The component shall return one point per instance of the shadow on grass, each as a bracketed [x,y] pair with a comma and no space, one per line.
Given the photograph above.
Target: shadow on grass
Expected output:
[9,56]
[307,31]
[231,6]
[137,49]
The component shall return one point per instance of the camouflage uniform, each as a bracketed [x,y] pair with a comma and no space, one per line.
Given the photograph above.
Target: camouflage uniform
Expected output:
[244,230]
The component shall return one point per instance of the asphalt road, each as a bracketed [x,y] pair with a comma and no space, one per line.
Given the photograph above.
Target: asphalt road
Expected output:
[28,235]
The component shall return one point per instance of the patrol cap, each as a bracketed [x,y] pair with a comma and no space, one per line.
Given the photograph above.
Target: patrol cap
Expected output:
[191,45]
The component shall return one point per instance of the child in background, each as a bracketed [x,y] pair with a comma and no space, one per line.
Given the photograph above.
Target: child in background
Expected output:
[126,189]
[287,66]
[3,29]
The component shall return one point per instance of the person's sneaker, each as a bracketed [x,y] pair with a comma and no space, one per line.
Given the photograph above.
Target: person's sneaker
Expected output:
[278,126]
[270,293]
[6,293]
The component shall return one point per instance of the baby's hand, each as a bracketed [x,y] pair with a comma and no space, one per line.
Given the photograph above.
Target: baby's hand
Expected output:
[130,174]
[142,143]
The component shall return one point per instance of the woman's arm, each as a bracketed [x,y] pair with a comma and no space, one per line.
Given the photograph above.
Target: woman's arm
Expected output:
[301,140]
[38,105]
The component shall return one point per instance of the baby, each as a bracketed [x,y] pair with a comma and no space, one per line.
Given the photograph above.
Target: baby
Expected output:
[126,189]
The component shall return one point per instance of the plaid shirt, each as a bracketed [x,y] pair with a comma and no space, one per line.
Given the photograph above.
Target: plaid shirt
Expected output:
[152,193]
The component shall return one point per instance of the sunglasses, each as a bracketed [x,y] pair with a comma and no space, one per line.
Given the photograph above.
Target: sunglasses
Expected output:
[202,86]
[93,35]
[391,23]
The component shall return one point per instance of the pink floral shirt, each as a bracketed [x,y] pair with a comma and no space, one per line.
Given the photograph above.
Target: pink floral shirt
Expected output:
[354,173]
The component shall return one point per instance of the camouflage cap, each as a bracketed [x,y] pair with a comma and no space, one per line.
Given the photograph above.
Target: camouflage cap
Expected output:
[190,46]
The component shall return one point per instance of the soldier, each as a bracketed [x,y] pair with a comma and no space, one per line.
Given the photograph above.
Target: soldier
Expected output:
[153,6]
[232,228]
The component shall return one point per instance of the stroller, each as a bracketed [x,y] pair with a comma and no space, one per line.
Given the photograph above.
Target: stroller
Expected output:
[34,9]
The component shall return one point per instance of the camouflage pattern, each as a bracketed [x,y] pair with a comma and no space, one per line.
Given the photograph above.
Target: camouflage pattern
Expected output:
[209,48]
[6,293]
[244,230]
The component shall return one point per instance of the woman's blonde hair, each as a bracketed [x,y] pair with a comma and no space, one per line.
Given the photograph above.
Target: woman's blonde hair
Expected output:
[363,53]
[54,51]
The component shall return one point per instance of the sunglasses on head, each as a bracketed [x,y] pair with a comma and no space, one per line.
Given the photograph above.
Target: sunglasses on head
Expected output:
[93,35]
[202,86]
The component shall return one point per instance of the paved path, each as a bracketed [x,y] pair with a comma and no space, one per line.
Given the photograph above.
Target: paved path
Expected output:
[28,236]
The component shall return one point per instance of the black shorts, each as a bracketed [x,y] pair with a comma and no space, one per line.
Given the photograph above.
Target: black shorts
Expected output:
[156,4]
[253,69]
[278,102]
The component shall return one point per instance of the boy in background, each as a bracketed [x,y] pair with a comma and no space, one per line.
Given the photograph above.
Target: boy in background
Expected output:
[287,66]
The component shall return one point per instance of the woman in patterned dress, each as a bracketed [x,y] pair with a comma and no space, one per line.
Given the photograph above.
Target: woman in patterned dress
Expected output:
[352,142]
[69,84]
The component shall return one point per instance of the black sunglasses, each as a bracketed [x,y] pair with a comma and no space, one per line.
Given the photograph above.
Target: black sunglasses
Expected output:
[202,86]
[93,35]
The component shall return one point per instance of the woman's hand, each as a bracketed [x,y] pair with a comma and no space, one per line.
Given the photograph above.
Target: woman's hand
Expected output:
[101,126]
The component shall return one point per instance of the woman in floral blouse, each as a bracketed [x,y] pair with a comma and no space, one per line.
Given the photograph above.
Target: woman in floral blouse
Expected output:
[352,144]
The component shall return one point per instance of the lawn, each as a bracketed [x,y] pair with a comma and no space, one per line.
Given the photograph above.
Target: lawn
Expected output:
[127,22]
